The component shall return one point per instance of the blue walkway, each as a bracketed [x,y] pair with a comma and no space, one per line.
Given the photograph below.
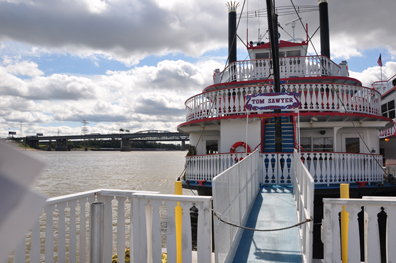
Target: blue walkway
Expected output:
[274,208]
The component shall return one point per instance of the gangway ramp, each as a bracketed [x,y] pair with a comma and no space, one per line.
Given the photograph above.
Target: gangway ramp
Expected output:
[274,208]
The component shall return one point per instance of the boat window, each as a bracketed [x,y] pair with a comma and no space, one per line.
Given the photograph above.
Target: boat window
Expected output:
[352,145]
[306,143]
[262,55]
[212,146]
[293,53]
[323,144]
[388,109]
[281,54]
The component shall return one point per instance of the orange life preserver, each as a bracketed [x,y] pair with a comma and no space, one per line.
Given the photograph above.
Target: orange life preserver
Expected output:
[237,144]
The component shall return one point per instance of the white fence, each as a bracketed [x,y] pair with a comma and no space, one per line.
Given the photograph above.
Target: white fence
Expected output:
[371,210]
[142,221]
[309,66]
[234,192]
[206,167]
[304,190]
[313,97]
[334,168]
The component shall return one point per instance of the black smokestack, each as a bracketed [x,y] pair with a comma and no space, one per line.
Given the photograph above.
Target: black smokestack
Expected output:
[324,28]
[232,40]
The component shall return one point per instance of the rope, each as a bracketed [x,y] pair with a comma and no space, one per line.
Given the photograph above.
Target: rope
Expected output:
[262,230]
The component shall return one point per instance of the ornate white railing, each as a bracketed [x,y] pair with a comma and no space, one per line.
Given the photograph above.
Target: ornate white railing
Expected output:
[278,168]
[304,190]
[309,66]
[132,219]
[371,210]
[206,167]
[388,132]
[234,192]
[334,168]
[313,97]
[384,86]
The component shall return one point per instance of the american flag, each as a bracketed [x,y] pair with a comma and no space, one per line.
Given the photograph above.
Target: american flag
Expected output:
[379,61]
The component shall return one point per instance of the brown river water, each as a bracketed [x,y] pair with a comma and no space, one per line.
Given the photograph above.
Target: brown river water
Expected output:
[79,171]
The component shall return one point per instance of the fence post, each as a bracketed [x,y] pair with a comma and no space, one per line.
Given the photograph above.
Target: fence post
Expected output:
[344,193]
[96,230]
[178,222]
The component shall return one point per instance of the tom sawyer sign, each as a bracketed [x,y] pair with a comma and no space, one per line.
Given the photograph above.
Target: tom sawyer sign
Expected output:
[272,101]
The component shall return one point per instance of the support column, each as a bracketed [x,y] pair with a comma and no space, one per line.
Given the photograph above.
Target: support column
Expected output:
[183,146]
[49,145]
[33,144]
[125,145]
[61,145]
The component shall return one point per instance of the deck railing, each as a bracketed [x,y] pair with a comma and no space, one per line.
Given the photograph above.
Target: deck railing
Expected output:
[277,168]
[384,86]
[334,168]
[304,190]
[206,167]
[309,66]
[234,192]
[377,218]
[141,221]
[313,97]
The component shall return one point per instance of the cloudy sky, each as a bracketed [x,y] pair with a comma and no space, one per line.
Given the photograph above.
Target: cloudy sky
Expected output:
[131,64]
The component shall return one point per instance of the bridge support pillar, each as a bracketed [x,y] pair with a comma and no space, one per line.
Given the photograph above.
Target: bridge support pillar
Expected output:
[33,144]
[183,146]
[125,145]
[61,145]
[49,145]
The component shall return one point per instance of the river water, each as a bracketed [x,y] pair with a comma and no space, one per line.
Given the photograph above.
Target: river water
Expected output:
[79,171]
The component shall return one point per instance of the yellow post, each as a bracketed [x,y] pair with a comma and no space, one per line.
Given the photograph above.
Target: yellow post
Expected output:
[344,193]
[178,223]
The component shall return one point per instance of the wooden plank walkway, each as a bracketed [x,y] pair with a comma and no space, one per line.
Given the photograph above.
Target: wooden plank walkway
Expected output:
[274,208]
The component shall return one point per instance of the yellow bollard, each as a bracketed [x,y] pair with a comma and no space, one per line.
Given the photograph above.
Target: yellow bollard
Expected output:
[178,223]
[344,193]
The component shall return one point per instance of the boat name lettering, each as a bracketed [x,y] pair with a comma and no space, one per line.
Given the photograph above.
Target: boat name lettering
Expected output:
[273,100]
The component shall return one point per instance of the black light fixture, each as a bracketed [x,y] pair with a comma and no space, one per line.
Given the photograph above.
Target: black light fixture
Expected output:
[322,132]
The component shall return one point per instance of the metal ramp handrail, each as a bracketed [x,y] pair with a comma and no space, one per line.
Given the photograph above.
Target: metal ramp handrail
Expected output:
[303,191]
[234,192]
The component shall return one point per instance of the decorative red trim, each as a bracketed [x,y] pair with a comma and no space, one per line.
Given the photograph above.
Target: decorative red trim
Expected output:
[271,114]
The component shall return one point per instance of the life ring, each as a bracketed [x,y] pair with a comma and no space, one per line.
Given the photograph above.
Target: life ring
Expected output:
[237,144]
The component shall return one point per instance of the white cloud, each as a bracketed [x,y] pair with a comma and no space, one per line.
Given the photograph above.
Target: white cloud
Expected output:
[24,68]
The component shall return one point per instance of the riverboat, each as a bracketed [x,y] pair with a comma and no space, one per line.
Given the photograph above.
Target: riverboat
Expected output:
[334,129]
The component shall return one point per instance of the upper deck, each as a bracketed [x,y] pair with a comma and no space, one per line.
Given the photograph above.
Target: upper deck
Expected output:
[290,67]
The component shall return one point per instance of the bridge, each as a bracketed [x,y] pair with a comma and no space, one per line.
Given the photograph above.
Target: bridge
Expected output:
[126,138]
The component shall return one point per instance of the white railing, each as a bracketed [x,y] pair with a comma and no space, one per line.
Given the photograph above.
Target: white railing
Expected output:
[132,219]
[234,192]
[371,210]
[309,66]
[313,97]
[388,132]
[278,168]
[206,167]
[334,168]
[304,190]
[384,86]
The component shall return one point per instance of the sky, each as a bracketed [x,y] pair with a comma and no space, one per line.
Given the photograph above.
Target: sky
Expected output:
[132,64]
